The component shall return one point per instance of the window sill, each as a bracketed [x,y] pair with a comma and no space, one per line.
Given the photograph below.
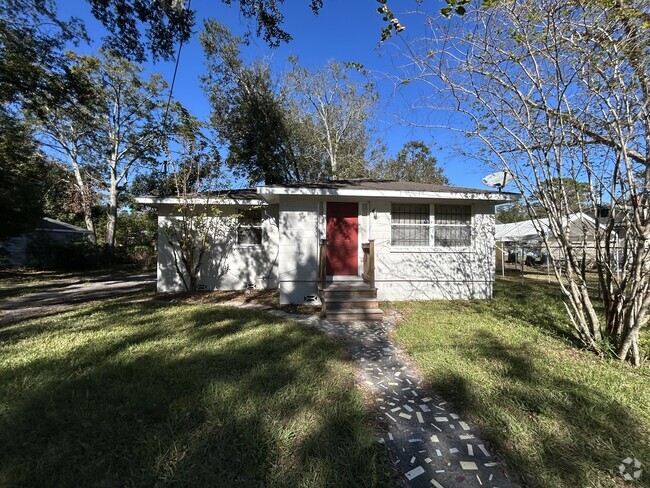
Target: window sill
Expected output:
[431,250]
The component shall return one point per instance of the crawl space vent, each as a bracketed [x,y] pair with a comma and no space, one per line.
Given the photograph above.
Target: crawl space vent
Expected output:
[250,286]
[310,299]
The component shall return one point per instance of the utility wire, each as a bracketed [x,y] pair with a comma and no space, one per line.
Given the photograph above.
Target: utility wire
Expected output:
[171,89]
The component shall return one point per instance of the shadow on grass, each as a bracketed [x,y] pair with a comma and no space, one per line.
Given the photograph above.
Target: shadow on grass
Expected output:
[149,394]
[553,431]
[540,304]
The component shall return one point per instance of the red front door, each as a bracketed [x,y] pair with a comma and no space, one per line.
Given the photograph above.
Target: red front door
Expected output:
[342,238]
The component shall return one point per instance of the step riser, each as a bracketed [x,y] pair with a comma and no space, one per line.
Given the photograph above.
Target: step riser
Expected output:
[347,301]
[349,294]
[366,317]
[343,305]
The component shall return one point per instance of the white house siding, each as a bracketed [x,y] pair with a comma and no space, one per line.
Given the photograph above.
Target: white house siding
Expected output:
[227,266]
[423,274]
[299,248]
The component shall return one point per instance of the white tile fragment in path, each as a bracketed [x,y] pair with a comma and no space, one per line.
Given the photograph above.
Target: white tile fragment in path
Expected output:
[414,473]
[436,484]
[468,465]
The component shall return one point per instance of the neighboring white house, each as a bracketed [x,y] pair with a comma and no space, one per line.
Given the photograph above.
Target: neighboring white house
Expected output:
[430,241]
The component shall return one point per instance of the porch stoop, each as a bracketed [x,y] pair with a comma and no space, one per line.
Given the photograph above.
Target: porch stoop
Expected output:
[350,300]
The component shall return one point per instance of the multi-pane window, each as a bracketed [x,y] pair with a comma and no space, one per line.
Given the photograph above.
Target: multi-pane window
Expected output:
[453,225]
[249,227]
[412,225]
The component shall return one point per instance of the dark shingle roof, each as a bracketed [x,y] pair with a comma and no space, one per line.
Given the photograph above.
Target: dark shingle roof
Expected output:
[386,185]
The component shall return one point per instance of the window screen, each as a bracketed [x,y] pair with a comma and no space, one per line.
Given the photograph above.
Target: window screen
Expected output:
[249,227]
[453,226]
[410,224]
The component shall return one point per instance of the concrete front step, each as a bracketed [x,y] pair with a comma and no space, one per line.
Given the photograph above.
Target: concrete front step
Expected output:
[363,314]
[339,291]
[340,303]
[350,300]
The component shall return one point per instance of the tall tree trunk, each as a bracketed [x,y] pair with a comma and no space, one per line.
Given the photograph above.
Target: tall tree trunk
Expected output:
[111,221]
[86,201]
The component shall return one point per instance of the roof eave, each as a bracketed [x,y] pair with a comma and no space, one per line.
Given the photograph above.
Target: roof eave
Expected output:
[160,201]
[501,197]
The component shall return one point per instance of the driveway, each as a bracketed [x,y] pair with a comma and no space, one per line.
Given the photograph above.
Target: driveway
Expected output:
[68,294]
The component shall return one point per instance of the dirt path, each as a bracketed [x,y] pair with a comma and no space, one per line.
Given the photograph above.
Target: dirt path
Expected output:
[65,295]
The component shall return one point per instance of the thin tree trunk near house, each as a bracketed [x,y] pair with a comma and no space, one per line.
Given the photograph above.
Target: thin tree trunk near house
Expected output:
[193,228]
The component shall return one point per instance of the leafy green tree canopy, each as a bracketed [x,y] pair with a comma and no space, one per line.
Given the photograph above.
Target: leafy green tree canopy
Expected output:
[247,113]
[414,162]
[138,26]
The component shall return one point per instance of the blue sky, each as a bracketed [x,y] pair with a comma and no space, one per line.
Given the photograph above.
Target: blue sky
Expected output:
[344,30]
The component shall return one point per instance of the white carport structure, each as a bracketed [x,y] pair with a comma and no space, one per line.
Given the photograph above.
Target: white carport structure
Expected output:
[521,231]
[579,225]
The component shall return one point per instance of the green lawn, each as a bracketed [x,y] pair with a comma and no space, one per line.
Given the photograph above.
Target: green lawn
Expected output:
[154,393]
[557,416]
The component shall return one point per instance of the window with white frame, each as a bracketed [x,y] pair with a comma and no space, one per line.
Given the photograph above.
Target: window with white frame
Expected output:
[412,225]
[249,227]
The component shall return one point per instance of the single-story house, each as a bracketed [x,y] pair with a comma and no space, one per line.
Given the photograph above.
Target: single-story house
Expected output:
[17,249]
[411,241]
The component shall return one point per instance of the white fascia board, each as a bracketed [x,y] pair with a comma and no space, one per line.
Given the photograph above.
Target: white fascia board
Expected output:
[349,192]
[155,201]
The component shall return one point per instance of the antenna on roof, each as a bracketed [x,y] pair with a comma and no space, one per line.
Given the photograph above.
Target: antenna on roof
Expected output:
[498,180]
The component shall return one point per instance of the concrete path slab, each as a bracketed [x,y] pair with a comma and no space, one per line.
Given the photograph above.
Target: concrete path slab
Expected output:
[430,444]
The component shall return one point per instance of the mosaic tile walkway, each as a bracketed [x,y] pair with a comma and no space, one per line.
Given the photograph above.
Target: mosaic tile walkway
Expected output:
[429,443]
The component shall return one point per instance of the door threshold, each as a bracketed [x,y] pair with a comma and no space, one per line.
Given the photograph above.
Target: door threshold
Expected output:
[343,278]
